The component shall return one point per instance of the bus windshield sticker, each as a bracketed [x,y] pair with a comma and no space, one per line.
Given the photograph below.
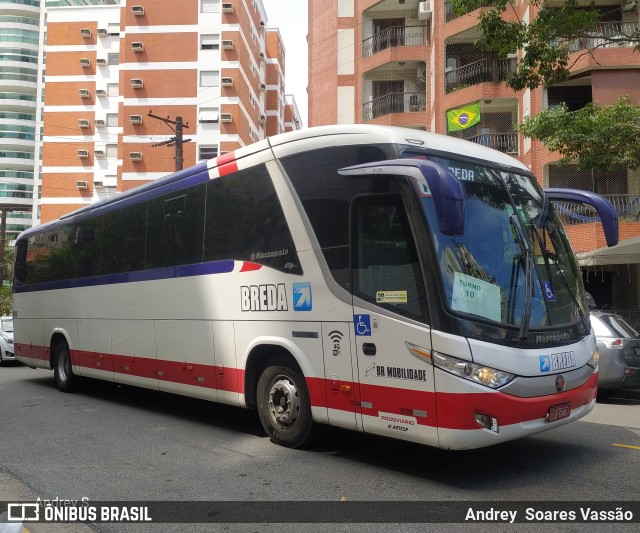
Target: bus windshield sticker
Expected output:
[477,297]
[391,297]
[302,300]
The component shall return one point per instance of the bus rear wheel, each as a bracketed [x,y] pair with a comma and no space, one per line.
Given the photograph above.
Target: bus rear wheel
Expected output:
[284,406]
[63,375]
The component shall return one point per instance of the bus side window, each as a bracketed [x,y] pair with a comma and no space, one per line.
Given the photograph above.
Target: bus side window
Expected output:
[244,221]
[385,266]
[326,196]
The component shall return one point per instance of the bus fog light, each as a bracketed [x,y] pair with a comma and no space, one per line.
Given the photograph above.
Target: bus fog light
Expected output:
[487,422]
[485,375]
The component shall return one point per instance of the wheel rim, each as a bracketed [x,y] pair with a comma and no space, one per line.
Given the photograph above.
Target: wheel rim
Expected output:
[64,365]
[284,401]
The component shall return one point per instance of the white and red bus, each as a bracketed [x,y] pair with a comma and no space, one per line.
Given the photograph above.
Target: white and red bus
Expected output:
[380,279]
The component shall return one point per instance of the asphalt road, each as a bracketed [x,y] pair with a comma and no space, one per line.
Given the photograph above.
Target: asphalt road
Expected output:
[112,443]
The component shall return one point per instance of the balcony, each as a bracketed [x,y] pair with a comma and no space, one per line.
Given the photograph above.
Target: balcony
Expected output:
[411,102]
[608,35]
[506,143]
[492,70]
[394,36]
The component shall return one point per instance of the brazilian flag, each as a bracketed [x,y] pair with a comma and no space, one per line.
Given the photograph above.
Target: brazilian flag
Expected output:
[463,117]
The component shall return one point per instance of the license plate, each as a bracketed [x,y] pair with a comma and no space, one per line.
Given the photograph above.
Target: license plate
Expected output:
[559,411]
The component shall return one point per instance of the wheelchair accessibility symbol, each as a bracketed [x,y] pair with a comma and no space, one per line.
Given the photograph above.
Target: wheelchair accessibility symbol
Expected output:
[362,325]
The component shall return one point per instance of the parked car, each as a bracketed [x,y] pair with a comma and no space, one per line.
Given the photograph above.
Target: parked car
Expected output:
[619,347]
[6,339]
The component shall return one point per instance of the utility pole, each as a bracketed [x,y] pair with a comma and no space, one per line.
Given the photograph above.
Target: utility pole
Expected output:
[177,140]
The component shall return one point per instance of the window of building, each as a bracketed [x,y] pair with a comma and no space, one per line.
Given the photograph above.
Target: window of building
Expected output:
[209,115]
[112,151]
[114,59]
[208,152]
[210,42]
[209,78]
[112,89]
[112,119]
[210,6]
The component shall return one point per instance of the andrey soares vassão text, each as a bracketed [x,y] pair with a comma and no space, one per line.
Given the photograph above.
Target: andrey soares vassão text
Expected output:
[581,514]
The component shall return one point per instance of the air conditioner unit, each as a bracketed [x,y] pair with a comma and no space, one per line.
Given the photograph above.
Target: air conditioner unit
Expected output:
[227,45]
[226,82]
[81,184]
[136,83]
[226,117]
[99,123]
[101,92]
[102,32]
[135,156]
[262,119]
[261,55]
[99,152]
[135,119]
[262,23]
[425,10]
[262,86]
[138,11]
[85,62]
[137,46]
[85,32]
[84,93]
[83,123]
[83,154]
[102,61]
[227,8]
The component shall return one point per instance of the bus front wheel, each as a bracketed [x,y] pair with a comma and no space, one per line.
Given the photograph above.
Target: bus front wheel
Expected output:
[284,406]
[63,376]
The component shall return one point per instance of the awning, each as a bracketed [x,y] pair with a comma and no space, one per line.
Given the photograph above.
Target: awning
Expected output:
[625,252]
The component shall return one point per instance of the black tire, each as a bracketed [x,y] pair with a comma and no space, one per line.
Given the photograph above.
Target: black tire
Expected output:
[603,394]
[63,375]
[284,406]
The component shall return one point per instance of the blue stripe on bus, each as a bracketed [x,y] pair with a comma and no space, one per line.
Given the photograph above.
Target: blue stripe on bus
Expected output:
[183,271]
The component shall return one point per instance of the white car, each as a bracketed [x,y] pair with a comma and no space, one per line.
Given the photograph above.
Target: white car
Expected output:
[6,339]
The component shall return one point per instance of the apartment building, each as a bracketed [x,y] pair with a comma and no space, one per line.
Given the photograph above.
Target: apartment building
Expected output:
[19,128]
[135,89]
[414,63]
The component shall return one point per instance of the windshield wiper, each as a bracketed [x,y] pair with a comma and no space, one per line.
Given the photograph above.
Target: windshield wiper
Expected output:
[527,253]
[546,254]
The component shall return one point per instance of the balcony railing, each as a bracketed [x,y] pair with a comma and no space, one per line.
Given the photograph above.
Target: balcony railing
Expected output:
[627,207]
[394,103]
[450,14]
[505,142]
[608,35]
[395,36]
[484,70]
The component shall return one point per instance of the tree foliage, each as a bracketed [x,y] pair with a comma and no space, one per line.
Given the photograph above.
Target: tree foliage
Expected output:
[594,136]
[544,40]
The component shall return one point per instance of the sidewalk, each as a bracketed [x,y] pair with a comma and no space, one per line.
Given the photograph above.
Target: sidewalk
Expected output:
[13,490]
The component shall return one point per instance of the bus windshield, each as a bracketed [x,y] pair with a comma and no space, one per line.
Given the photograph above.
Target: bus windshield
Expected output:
[513,245]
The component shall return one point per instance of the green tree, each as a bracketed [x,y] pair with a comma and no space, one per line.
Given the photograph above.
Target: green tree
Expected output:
[596,136]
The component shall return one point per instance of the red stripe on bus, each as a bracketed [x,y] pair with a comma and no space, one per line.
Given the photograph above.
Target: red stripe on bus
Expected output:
[247,266]
[227,164]
[442,409]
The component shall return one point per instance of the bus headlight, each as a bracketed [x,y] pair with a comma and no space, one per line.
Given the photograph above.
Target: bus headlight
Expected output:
[593,362]
[484,375]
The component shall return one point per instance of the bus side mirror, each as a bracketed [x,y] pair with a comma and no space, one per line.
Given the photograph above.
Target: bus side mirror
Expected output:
[607,213]
[445,189]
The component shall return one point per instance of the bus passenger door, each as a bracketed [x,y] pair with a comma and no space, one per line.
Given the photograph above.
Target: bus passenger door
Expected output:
[393,340]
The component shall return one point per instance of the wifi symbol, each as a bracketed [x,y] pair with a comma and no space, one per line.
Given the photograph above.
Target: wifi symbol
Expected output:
[336,337]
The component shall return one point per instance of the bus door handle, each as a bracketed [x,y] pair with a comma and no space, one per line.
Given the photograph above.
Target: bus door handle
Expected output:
[368,348]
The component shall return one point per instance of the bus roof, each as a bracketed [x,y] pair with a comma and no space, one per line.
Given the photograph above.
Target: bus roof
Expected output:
[373,134]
